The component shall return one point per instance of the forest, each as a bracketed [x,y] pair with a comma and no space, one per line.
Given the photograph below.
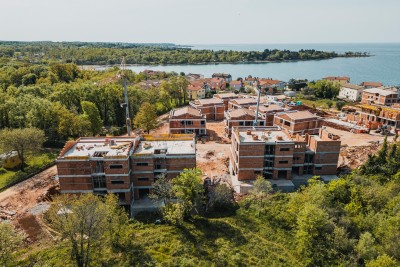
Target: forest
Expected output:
[66,102]
[82,53]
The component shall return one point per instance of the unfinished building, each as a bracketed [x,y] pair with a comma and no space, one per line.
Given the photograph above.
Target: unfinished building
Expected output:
[241,117]
[298,122]
[212,108]
[226,98]
[274,154]
[187,120]
[243,102]
[124,166]
[164,154]
[375,117]
[268,112]
[97,165]
[384,96]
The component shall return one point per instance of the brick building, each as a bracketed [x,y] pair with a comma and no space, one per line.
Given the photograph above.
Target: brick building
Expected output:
[124,166]
[375,117]
[97,165]
[268,112]
[298,122]
[212,108]
[272,153]
[187,120]
[241,117]
[243,102]
[385,96]
[163,154]
[226,98]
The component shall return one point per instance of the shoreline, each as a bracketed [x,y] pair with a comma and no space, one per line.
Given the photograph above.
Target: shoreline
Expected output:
[216,63]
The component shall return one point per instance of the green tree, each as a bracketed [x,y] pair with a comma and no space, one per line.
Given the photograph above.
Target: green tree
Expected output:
[10,240]
[88,224]
[312,226]
[340,104]
[22,141]
[382,261]
[91,113]
[220,198]
[162,189]
[188,189]
[365,247]
[260,191]
[146,118]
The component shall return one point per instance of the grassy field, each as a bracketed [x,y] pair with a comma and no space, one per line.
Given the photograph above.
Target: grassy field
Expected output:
[321,103]
[241,238]
[34,162]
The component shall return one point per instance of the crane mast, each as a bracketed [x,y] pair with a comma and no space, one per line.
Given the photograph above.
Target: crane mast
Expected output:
[258,102]
[128,118]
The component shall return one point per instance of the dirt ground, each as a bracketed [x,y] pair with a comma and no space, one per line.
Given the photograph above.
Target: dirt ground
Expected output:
[23,203]
[354,139]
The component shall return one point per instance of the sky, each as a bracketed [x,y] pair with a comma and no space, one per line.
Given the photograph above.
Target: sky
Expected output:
[202,21]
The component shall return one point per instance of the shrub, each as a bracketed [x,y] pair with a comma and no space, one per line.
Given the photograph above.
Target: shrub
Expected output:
[2,170]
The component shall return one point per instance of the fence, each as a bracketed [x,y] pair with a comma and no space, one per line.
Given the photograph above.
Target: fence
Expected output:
[30,175]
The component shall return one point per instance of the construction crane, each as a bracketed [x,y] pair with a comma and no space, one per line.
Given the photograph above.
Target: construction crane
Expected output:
[258,101]
[122,75]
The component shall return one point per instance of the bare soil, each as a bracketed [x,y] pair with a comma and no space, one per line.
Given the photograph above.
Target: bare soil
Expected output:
[17,201]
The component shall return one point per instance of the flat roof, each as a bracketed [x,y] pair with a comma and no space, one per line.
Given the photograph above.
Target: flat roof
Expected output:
[384,91]
[171,147]
[100,148]
[264,134]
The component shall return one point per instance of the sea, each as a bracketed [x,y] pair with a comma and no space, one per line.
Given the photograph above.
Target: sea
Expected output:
[382,66]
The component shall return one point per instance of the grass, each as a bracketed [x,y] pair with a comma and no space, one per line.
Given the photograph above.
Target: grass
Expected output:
[34,162]
[240,239]
[321,103]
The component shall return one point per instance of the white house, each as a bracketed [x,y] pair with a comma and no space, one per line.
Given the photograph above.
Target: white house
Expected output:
[351,92]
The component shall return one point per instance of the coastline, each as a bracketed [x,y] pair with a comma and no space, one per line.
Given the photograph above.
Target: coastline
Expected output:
[221,62]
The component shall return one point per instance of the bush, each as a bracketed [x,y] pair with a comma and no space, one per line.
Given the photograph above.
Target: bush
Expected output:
[340,104]
[2,170]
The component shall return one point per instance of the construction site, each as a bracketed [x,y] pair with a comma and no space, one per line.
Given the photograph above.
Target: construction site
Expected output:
[293,142]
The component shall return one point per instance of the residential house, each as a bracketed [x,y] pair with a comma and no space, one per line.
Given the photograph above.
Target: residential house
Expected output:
[241,117]
[187,120]
[270,86]
[217,84]
[225,76]
[368,85]
[298,122]
[351,92]
[250,80]
[236,85]
[124,166]
[243,102]
[196,91]
[226,97]
[268,112]
[193,76]
[337,79]
[385,96]
[212,108]
[274,154]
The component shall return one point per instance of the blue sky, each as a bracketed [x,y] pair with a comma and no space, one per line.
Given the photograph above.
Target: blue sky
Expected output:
[202,21]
